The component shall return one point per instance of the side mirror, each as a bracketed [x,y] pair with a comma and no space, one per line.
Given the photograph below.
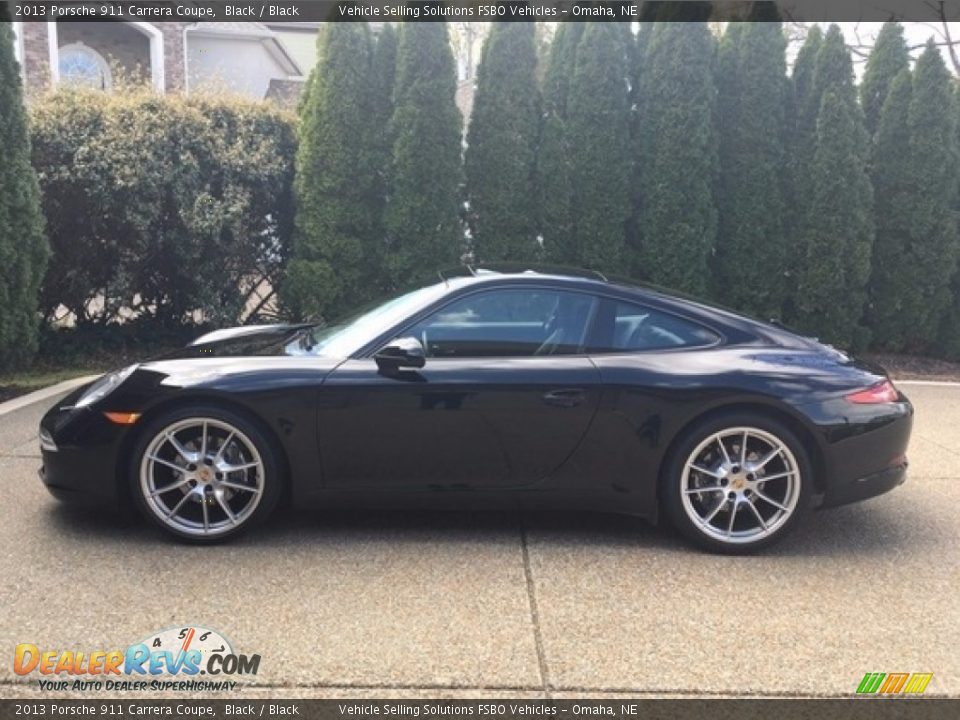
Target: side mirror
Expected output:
[401,353]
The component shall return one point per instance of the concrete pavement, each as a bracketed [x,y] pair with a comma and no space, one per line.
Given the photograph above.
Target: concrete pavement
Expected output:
[463,605]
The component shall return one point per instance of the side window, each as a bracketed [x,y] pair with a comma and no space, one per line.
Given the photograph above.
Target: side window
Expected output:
[507,323]
[626,327]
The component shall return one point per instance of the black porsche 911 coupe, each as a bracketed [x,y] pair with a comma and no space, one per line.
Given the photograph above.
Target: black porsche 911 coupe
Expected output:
[491,390]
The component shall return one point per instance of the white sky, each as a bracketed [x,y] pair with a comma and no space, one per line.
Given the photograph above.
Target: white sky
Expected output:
[915,33]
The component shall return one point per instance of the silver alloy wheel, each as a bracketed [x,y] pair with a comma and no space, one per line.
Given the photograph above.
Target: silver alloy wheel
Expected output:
[201,476]
[740,485]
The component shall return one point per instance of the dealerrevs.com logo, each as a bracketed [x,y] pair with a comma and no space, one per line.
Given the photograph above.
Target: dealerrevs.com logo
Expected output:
[172,659]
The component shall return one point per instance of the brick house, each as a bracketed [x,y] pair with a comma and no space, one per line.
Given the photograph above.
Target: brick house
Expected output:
[174,56]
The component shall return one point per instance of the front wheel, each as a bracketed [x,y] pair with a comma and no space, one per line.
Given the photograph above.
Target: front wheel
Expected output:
[737,483]
[204,474]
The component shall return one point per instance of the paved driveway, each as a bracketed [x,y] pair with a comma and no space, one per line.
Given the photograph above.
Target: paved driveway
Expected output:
[470,605]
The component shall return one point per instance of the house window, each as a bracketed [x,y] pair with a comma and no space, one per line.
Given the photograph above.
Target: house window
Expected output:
[83,66]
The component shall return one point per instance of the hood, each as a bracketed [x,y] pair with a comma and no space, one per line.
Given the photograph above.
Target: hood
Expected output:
[247,340]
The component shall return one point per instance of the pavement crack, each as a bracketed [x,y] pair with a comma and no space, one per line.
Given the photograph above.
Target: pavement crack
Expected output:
[534,612]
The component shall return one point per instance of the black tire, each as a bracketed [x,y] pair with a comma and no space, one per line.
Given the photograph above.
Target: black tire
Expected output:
[704,535]
[266,477]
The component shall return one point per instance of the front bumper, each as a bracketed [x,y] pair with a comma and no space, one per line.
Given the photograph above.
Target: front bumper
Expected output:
[80,450]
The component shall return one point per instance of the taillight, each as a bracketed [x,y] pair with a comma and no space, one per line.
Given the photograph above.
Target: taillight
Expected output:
[880,393]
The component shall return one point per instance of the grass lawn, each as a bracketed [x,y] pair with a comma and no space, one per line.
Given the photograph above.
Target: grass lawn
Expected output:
[26,381]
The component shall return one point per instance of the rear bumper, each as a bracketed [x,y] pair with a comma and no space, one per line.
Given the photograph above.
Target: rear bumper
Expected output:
[869,486]
[866,452]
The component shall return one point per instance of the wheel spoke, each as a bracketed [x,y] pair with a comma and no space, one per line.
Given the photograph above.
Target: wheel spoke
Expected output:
[723,449]
[778,476]
[712,473]
[206,514]
[238,486]
[176,508]
[168,488]
[223,447]
[733,516]
[187,455]
[768,457]
[226,508]
[237,468]
[713,513]
[770,500]
[203,441]
[694,491]
[763,523]
[172,466]
[743,449]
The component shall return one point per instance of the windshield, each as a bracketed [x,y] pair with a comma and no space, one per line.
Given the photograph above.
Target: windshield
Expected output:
[344,337]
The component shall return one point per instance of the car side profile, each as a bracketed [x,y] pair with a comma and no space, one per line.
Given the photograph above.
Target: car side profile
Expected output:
[489,390]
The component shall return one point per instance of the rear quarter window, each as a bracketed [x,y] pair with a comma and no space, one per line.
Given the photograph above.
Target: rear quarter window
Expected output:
[629,327]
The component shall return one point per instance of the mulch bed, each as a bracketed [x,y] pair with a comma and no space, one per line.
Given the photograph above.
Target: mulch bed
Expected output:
[9,392]
[912,367]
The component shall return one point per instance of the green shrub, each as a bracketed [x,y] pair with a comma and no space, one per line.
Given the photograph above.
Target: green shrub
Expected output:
[161,207]
[23,248]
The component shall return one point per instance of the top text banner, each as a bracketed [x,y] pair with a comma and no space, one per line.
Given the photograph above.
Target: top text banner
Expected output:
[464,11]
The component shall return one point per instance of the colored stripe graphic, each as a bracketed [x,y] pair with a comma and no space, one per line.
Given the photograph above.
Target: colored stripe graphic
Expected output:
[870,683]
[918,683]
[894,683]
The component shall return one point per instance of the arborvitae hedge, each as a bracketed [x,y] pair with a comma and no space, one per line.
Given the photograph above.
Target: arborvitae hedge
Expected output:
[678,158]
[933,245]
[598,128]
[888,58]
[553,183]
[501,147]
[751,249]
[893,187]
[337,250]
[383,73]
[422,220]
[833,268]
[23,246]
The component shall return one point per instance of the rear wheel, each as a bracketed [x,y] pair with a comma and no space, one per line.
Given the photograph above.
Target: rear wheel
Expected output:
[737,483]
[205,473]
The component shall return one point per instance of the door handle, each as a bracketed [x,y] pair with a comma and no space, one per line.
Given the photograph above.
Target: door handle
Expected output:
[566,398]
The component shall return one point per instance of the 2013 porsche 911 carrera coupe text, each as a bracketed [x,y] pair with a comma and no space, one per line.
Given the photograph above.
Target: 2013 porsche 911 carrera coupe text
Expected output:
[491,389]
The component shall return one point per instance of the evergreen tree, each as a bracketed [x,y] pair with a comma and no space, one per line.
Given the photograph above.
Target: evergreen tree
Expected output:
[383,73]
[815,75]
[501,146]
[894,188]
[838,229]
[23,246]
[422,219]
[553,182]
[948,344]
[678,157]
[830,68]
[598,131]
[336,260]
[799,145]
[931,255]
[752,84]
[888,58]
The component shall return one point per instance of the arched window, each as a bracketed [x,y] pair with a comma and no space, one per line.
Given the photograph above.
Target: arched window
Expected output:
[82,65]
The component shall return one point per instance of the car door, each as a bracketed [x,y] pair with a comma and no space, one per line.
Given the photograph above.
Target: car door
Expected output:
[504,397]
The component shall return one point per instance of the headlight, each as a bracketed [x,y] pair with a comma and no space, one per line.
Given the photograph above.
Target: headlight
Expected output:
[104,386]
